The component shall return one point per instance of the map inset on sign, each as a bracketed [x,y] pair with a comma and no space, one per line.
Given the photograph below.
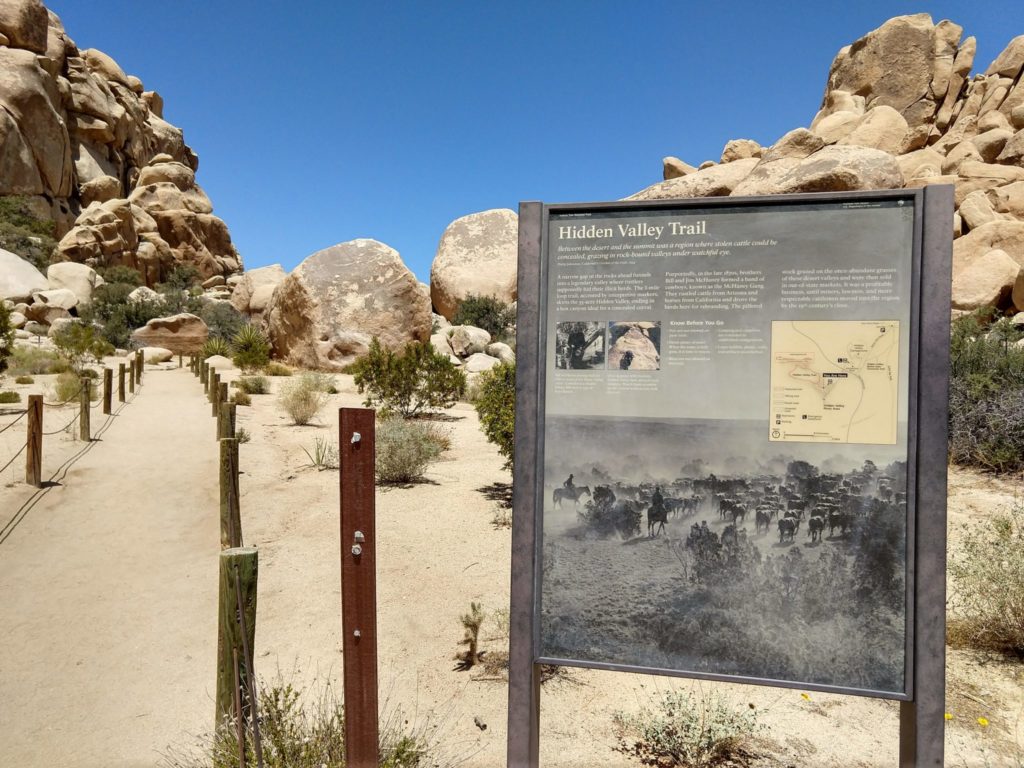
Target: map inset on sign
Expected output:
[834,381]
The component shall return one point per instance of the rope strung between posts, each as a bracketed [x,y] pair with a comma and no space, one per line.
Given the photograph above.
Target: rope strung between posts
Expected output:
[61,405]
[20,451]
[23,413]
[58,431]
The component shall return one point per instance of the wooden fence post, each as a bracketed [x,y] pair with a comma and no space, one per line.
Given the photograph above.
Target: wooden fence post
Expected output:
[359,585]
[230,514]
[222,396]
[226,421]
[34,439]
[236,633]
[108,390]
[214,388]
[84,406]
[140,363]
[180,363]
[131,376]
[120,383]
[203,374]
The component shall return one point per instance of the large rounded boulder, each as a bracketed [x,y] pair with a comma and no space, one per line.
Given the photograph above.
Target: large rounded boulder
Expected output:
[477,256]
[327,311]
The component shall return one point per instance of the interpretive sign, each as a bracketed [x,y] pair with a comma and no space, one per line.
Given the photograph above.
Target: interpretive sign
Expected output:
[722,424]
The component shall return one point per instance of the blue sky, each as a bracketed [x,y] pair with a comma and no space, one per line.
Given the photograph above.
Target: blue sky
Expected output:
[317,121]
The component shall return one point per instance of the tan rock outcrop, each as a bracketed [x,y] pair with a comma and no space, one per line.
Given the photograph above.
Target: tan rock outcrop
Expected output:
[255,287]
[19,279]
[80,279]
[326,312]
[182,334]
[477,255]
[716,180]
[987,282]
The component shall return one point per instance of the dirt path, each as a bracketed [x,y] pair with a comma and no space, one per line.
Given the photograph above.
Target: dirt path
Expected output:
[98,667]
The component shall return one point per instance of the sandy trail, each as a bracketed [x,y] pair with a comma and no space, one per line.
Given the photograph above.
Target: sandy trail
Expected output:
[97,666]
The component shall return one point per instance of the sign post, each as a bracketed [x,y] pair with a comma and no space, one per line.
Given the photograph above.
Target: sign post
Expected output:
[751,393]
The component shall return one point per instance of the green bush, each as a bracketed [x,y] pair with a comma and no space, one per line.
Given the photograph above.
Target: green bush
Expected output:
[6,335]
[419,380]
[254,385]
[78,342]
[986,394]
[40,362]
[118,317]
[277,369]
[214,346]
[487,312]
[304,397]
[988,584]
[252,347]
[405,449]
[324,454]
[9,397]
[495,404]
[22,233]
[684,729]
[223,320]
[241,398]
[24,380]
[67,387]
[120,274]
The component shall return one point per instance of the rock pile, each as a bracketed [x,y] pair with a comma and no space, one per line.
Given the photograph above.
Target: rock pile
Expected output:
[89,148]
[901,110]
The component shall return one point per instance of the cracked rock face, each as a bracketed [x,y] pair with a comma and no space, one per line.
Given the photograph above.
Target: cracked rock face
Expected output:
[76,132]
[326,312]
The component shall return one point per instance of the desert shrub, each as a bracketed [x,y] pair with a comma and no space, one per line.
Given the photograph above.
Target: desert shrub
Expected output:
[683,729]
[252,347]
[241,398]
[214,346]
[405,449]
[66,387]
[182,277]
[9,397]
[986,396]
[242,435]
[29,360]
[223,320]
[487,312]
[24,380]
[254,385]
[304,397]
[988,579]
[495,404]
[23,233]
[6,335]
[471,623]
[418,380]
[79,342]
[277,369]
[300,729]
[117,316]
[120,274]
[324,454]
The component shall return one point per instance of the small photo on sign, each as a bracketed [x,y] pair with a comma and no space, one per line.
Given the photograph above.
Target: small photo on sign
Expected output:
[580,346]
[634,346]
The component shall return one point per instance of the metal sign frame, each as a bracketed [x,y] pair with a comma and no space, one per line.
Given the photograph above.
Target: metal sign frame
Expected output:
[922,703]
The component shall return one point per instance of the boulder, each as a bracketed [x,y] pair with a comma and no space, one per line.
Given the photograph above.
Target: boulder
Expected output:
[35,328]
[974,175]
[326,312]
[478,362]
[263,280]
[80,279]
[674,168]
[1007,236]
[182,334]
[991,143]
[880,128]
[19,279]
[465,340]
[1008,198]
[831,169]
[24,23]
[58,325]
[18,320]
[501,351]
[142,293]
[220,363]
[46,314]
[715,180]
[477,255]
[923,162]
[835,126]
[1010,61]
[987,282]
[1012,152]
[797,144]
[60,298]
[217,281]
[439,341]
[740,149]
[154,355]
[976,210]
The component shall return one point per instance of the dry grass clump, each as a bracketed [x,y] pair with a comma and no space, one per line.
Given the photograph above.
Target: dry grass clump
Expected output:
[254,385]
[24,380]
[406,448]
[241,398]
[9,397]
[988,580]
[277,369]
[28,360]
[303,398]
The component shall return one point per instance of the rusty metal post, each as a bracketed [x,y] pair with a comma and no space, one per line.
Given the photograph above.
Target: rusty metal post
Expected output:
[357,446]
[34,440]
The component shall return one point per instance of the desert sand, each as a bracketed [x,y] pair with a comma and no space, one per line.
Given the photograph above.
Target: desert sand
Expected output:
[109,580]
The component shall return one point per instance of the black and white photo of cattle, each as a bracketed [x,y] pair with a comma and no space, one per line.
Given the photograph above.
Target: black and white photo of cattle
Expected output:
[756,562]
[580,345]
